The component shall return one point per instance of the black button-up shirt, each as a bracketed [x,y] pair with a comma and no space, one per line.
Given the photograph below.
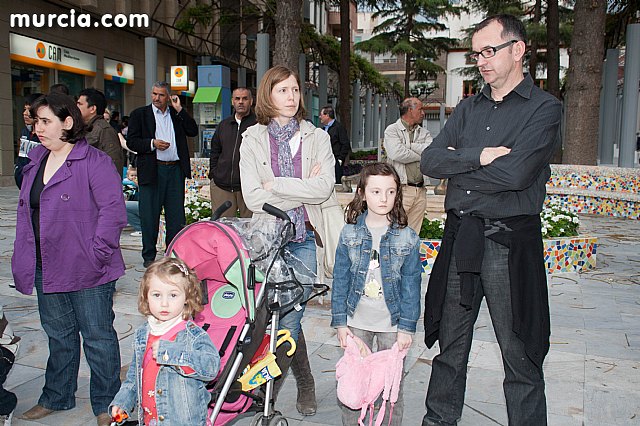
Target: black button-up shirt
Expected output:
[527,120]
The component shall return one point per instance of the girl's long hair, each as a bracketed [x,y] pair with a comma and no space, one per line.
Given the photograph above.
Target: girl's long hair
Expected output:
[397,216]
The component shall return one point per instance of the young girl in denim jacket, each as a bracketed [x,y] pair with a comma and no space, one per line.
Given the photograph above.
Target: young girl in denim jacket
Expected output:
[377,273]
[173,358]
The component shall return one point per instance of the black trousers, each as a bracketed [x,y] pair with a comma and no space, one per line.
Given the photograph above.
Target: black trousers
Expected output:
[8,400]
[168,192]
[338,171]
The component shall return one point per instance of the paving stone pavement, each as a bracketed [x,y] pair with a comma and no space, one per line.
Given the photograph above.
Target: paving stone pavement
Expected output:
[592,370]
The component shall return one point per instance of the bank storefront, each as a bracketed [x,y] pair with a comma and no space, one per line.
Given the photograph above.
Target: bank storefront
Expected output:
[37,64]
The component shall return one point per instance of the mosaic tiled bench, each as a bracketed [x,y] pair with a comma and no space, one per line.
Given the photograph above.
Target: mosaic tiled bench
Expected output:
[572,254]
[608,191]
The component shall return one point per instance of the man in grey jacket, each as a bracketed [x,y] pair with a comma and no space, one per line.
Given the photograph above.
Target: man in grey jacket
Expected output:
[404,142]
[101,135]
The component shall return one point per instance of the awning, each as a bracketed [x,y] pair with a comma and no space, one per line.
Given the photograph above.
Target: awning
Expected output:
[207,95]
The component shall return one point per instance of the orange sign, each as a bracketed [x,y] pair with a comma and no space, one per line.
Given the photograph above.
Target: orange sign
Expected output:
[40,50]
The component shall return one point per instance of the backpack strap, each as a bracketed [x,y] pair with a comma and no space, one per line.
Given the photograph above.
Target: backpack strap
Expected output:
[393,375]
[363,413]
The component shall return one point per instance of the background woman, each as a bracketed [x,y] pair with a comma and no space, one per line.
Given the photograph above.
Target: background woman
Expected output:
[287,162]
[70,215]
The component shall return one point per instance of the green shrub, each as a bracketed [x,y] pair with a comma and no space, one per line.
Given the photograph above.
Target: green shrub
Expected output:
[558,221]
[196,208]
[432,229]
[371,154]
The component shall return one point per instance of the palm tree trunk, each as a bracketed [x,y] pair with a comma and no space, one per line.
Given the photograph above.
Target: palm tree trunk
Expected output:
[533,60]
[344,107]
[288,20]
[584,81]
[553,49]
[407,74]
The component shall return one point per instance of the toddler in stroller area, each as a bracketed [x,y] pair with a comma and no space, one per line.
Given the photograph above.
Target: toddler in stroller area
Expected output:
[173,358]
[248,279]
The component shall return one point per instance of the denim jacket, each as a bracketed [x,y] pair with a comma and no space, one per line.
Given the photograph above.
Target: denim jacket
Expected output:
[399,265]
[181,398]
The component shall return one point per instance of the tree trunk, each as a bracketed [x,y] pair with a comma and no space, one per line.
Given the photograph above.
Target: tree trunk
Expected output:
[533,60]
[553,48]
[584,81]
[288,20]
[553,61]
[407,74]
[344,80]
[408,57]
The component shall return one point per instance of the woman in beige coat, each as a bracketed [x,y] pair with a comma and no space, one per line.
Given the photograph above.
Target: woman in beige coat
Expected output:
[288,163]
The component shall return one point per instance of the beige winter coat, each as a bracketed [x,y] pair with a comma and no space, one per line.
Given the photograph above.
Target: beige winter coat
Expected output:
[316,193]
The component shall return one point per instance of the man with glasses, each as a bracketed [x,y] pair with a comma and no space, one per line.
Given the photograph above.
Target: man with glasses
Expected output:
[495,150]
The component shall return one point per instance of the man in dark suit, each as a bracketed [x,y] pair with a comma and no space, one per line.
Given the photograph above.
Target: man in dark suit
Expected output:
[158,133]
[340,144]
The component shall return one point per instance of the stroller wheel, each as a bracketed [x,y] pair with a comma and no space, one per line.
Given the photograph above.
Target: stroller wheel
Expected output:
[277,420]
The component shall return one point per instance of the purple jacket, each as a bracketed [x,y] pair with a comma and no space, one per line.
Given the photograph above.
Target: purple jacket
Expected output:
[82,213]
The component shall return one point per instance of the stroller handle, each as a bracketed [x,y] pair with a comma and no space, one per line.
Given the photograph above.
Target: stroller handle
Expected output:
[221,209]
[274,211]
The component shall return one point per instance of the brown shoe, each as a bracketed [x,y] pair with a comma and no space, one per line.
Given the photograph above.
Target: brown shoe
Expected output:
[36,412]
[103,419]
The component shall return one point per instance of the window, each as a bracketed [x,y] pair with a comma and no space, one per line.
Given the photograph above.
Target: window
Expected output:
[387,58]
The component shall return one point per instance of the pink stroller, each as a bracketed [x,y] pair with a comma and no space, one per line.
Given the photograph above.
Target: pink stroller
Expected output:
[234,258]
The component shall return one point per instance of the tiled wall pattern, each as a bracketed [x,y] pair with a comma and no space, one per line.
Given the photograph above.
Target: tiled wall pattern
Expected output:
[609,191]
[595,178]
[572,254]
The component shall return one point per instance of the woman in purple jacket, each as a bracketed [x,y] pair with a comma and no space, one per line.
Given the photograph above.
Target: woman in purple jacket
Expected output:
[70,215]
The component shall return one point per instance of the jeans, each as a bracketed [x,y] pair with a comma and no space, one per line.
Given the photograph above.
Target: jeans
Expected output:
[523,384]
[133,215]
[64,316]
[305,251]
[350,417]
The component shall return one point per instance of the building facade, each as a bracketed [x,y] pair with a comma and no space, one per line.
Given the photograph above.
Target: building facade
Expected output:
[452,85]
[101,44]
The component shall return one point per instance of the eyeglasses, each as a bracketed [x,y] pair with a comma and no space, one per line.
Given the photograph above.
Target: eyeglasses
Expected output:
[490,51]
